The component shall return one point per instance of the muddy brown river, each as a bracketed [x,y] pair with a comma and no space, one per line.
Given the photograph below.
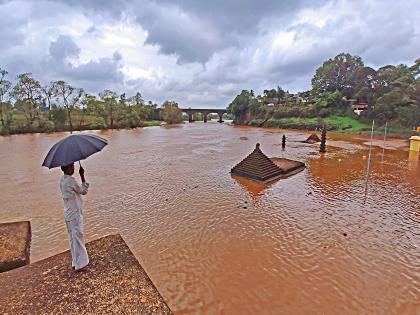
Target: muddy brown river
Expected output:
[312,243]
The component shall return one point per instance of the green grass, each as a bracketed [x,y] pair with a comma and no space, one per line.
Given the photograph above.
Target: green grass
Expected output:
[344,123]
[152,123]
[337,123]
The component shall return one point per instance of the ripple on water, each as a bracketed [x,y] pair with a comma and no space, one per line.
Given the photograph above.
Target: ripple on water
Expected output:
[311,243]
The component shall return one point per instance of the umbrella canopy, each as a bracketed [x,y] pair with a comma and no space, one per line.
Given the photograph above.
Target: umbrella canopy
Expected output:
[73,148]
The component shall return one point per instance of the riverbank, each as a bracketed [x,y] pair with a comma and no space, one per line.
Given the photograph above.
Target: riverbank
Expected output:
[333,123]
[46,129]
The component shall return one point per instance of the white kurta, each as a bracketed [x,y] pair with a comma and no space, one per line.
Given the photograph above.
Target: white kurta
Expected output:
[71,192]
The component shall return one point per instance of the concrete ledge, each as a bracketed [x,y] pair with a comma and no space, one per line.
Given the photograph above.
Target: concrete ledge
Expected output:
[15,239]
[288,166]
[115,283]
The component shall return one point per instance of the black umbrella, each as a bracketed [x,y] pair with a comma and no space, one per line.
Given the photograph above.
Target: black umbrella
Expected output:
[73,148]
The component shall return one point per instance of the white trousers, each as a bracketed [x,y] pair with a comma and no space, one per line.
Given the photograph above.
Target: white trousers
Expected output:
[78,251]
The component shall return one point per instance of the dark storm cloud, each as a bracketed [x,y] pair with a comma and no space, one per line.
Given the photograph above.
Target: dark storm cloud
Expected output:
[63,47]
[103,72]
[200,52]
[194,30]
[11,33]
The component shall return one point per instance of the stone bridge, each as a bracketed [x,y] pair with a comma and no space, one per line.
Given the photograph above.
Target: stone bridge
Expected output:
[191,111]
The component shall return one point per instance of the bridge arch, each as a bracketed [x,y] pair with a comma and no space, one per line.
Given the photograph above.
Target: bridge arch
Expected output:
[205,112]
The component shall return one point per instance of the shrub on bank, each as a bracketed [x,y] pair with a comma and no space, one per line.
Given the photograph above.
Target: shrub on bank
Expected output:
[97,123]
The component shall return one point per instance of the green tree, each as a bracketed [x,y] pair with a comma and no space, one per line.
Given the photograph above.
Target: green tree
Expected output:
[270,93]
[340,73]
[397,92]
[123,100]
[70,98]
[171,112]
[384,78]
[27,93]
[242,104]
[136,99]
[58,116]
[48,93]
[329,102]
[96,108]
[5,86]
[110,99]
[280,92]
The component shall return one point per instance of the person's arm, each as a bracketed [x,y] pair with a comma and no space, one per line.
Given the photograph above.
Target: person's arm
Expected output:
[81,189]
[82,174]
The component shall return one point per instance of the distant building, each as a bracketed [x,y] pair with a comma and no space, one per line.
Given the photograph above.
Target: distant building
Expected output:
[359,107]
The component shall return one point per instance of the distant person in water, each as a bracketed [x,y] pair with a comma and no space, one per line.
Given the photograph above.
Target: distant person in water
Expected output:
[71,192]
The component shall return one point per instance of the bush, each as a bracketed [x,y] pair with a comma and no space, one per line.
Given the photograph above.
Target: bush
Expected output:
[97,123]
[255,122]
[308,112]
[59,116]
[278,114]
[273,123]
[47,126]
[324,112]
[171,113]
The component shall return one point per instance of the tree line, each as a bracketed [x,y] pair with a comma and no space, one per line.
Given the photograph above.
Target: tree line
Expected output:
[29,106]
[392,93]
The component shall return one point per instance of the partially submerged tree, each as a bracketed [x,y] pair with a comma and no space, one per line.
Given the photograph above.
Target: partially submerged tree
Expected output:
[171,112]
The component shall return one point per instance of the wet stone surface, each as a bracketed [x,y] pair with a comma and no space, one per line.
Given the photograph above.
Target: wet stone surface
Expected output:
[15,238]
[114,283]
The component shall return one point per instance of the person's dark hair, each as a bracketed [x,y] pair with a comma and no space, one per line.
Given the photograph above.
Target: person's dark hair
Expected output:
[65,167]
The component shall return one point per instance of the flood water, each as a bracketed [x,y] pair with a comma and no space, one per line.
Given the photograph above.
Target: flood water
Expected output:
[214,244]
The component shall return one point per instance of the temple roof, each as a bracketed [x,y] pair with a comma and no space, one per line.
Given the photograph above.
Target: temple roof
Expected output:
[257,166]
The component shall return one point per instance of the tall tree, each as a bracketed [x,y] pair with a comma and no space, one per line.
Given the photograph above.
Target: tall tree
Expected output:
[138,98]
[27,93]
[171,112]
[4,89]
[123,100]
[70,97]
[242,104]
[280,92]
[110,99]
[384,77]
[397,96]
[48,93]
[338,74]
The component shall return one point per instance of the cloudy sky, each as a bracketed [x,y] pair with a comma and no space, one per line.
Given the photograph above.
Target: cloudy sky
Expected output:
[200,53]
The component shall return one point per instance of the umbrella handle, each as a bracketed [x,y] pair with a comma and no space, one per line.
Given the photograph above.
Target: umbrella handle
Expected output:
[80,164]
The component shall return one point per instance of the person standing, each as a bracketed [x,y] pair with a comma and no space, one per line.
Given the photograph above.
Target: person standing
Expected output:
[71,192]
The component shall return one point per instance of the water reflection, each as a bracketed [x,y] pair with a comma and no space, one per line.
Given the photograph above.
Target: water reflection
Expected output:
[302,245]
[413,160]
[254,188]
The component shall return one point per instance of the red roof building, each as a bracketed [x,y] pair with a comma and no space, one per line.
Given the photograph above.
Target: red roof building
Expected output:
[360,106]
